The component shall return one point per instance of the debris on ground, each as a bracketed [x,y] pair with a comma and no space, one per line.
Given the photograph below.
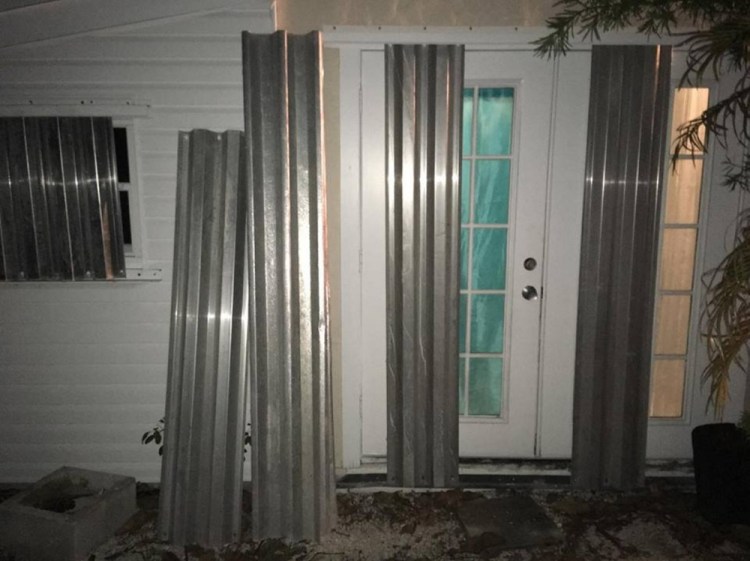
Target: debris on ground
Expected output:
[653,525]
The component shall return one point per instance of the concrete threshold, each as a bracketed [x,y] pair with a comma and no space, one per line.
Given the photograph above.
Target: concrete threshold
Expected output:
[494,474]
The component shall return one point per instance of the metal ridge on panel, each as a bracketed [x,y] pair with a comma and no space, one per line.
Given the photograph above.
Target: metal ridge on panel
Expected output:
[424,86]
[59,205]
[201,494]
[625,162]
[292,452]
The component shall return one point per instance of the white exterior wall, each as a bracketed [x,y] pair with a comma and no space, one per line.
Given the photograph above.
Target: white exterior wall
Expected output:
[83,366]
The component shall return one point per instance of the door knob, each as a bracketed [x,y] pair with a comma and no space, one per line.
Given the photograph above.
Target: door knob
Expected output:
[529,293]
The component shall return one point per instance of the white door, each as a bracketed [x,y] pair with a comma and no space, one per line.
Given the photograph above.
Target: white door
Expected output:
[509,108]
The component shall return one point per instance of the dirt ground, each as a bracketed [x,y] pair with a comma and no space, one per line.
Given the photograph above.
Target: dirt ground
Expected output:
[652,525]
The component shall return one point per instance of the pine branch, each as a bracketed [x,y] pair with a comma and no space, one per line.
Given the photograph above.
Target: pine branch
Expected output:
[737,176]
[724,47]
[726,116]
[726,318]
[589,18]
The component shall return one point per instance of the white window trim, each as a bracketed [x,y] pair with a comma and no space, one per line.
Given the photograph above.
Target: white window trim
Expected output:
[133,251]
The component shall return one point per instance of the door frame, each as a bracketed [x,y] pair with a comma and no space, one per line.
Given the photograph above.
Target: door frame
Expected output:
[562,235]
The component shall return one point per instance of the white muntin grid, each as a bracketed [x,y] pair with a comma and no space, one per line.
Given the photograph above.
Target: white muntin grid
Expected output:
[472,158]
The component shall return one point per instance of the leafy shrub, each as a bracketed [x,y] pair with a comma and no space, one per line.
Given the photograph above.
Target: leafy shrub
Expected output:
[156,435]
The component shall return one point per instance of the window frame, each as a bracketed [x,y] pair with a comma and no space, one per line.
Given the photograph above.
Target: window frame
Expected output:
[124,114]
[692,375]
[134,250]
[465,416]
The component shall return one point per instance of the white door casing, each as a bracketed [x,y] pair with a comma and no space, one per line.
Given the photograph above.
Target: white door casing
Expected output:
[526,430]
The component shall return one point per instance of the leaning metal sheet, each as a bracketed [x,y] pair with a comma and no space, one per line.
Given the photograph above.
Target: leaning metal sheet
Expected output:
[424,86]
[292,452]
[201,493]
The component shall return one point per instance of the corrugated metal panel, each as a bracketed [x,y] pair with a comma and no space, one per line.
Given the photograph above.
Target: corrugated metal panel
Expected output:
[626,153]
[59,207]
[201,493]
[423,134]
[292,453]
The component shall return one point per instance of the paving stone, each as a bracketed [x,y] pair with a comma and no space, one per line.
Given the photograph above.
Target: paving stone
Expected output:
[515,521]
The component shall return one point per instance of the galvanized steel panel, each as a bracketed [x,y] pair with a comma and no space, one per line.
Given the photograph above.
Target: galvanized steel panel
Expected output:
[59,206]
[201,493]
[424,85]
[292,452]
[625,161]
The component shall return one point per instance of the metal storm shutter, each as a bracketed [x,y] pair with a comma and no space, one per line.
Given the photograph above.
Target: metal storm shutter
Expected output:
[292,453]
[625,162]
[424,86]
[201,484]
[59,207]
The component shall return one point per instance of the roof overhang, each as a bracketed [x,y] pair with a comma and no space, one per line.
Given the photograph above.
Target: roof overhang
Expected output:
[24,22]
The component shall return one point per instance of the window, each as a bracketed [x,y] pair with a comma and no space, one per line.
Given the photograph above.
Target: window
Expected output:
[485,192]
[675,291]
[127,188]
[60,213]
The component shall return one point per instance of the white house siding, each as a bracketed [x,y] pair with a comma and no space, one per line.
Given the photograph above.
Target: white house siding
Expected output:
[83,365]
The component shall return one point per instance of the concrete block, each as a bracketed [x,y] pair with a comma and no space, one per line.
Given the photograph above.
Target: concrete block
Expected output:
[65,515]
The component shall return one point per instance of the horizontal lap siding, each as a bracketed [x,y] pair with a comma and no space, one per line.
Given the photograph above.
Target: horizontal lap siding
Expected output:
[83,367]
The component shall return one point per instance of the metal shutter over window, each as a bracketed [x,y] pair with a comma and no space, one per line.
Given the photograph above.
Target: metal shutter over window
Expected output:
[59,208]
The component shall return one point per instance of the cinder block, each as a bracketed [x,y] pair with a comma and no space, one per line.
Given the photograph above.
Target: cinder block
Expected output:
[95,505]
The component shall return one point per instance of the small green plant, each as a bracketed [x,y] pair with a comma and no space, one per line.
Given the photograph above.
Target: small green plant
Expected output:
[156,435]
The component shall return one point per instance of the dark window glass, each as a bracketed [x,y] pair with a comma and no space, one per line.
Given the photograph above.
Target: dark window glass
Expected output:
[127,235]
[121,154]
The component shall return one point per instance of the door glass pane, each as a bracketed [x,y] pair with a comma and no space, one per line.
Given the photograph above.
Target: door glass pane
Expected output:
[485,386]
[487,323]
[462,323]
[464,273]
[667,387]
[684,192]
[465,191]
[491,191]
[488,258]
[494,121]
[677,258]
[461,386]
[673,321]
[468,115]
[485,200]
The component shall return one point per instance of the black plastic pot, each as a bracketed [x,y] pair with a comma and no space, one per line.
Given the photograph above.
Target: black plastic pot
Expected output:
[721,460]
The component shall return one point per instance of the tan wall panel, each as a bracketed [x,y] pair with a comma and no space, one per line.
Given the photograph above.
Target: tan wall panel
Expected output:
[300,16]
[333,186]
